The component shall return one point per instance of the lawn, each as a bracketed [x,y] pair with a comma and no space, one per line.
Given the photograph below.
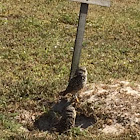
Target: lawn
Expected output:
[36,47]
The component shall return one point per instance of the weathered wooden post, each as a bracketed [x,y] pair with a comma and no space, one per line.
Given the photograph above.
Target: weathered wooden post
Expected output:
[81,29]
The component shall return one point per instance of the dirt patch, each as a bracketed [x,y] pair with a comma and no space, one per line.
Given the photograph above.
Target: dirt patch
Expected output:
[113,108]
[117,105]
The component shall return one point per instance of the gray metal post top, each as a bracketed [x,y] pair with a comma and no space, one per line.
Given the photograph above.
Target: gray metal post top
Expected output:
[96,2]
[80,31]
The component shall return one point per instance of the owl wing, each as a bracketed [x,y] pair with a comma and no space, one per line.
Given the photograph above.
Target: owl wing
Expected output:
[74,84]
[68,119]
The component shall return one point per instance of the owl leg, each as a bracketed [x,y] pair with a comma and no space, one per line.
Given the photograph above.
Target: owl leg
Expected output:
[76,97]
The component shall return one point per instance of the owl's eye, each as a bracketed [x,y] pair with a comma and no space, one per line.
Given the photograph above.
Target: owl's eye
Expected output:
[83,77]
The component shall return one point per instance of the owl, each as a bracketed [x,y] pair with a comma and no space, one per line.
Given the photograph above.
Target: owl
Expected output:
[77,82]
[68,119]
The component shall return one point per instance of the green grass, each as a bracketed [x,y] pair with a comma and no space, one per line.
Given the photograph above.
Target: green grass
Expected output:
[36,44]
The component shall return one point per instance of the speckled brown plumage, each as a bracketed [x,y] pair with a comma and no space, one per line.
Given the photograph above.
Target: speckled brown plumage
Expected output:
[68,119]
[77,82]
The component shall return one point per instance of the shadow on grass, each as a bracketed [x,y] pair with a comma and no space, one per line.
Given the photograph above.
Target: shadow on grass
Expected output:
[50,121]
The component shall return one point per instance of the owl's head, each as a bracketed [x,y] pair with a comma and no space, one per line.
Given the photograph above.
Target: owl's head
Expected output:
[81,71]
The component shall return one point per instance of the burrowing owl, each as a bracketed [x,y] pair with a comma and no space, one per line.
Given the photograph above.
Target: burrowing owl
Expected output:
[68,119]
[77,82]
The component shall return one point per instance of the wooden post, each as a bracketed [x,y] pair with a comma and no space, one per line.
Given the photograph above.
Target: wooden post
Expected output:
[79,38]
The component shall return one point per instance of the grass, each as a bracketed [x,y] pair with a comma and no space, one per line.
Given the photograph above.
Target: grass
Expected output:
[36,45]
